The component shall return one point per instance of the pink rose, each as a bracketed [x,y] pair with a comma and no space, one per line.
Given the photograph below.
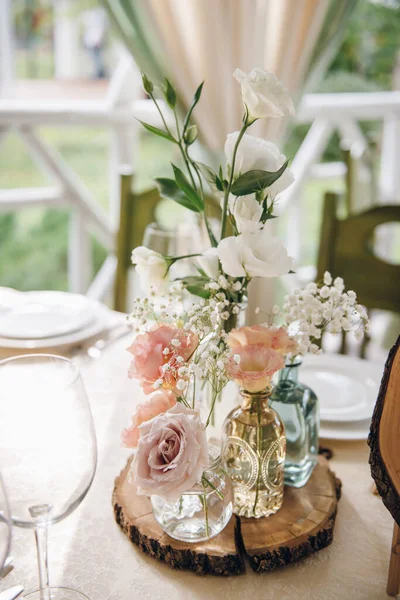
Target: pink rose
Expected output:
[159,402]
[276,338]
[257,365]
[172,454]
[158,354]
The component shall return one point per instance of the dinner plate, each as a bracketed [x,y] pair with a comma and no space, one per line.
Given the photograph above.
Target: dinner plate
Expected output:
[44,314]
[347,387]
[102,319]
[345,431]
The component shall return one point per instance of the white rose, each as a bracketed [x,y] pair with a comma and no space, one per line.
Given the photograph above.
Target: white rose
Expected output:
[256,153]
[208,262]
[255,254]
[151,267]
[263,94]
[247,213]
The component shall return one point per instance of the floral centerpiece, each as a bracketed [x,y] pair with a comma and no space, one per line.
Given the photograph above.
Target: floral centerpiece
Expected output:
[187,336]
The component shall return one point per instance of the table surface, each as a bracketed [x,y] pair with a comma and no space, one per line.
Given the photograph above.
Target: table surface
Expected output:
[88,551]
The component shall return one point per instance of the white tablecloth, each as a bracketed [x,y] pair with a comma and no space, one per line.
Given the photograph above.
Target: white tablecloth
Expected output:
[88,551]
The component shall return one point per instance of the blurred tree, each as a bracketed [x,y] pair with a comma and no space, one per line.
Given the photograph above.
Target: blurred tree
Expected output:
[372,42]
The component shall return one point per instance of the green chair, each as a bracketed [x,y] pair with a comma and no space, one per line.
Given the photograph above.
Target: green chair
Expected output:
[137,211]
[346,250]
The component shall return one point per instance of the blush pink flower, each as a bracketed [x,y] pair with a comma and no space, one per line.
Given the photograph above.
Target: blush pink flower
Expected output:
[159,402]
[158,354]
[172,454]
[256,367]
[276,338]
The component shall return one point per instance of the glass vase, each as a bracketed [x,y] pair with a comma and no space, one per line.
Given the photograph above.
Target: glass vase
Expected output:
[297,406]
[227,399]
[254,454]
[201,513]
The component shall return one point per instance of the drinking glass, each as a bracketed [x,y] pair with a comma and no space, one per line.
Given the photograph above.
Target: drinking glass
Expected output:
[5,525]
[48,449]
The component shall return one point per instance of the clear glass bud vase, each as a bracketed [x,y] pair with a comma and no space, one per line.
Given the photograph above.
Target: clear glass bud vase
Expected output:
[202,512]
[297,406]
[254,454]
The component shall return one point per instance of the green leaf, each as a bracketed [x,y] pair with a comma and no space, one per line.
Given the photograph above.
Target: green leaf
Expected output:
[195,100]
[169,189]
[195,285]
[198,290]
[169,94]
[267,216]
[209,175]
[156,131]
[147,84]
[184,184]
[256,180]
[190,135]
[219,184]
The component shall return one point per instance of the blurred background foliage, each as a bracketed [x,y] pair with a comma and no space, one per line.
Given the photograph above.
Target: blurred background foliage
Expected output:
[33,243]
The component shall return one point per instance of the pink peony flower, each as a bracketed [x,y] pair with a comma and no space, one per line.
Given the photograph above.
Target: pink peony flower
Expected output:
[158,354]
[172,454]
[276,338]
[159,402]
[257,365]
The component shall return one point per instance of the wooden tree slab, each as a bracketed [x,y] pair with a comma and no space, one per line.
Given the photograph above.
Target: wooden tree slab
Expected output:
[133,513]
[303,525]
[384,437]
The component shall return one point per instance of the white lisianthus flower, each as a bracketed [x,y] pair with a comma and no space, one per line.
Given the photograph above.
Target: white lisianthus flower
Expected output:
[208,262]
[255,254]
[263,94]
[247,213]
[151,267]
[256,153]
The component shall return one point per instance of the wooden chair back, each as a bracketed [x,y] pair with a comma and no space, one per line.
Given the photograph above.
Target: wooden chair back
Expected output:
[136,212]
[384,442]
[346,250]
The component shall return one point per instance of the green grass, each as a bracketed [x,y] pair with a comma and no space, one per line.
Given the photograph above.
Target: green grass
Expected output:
[34,242]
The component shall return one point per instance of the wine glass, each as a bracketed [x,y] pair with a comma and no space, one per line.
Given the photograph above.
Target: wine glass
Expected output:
[5,525]
[48,449]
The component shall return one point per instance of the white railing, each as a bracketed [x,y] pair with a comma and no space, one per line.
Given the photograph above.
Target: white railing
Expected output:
[116,113]
[325,112]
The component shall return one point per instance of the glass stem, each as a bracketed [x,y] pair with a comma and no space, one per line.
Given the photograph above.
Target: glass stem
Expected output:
[41,547]
[258,457]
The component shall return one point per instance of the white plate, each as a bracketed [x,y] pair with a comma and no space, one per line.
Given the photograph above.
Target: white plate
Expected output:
[38,315]
[345,431]
[103,318]
[347,387]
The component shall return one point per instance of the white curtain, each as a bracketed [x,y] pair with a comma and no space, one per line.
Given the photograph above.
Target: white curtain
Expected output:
[207,39]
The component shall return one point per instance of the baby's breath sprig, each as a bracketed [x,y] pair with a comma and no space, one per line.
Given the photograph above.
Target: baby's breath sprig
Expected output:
[323,307]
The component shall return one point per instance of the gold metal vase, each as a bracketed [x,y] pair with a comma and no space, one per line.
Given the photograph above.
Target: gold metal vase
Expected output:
[253,454]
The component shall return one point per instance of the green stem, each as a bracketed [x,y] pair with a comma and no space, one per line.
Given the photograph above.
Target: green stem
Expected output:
[212,407]
[162,117]
[258,455]
[212,486]
[228,189]
[194,392]
[203,499]
[175,258]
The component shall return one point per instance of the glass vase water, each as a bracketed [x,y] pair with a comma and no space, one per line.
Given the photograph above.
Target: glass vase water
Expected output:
[201,513]
[297,406]
[254,454]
